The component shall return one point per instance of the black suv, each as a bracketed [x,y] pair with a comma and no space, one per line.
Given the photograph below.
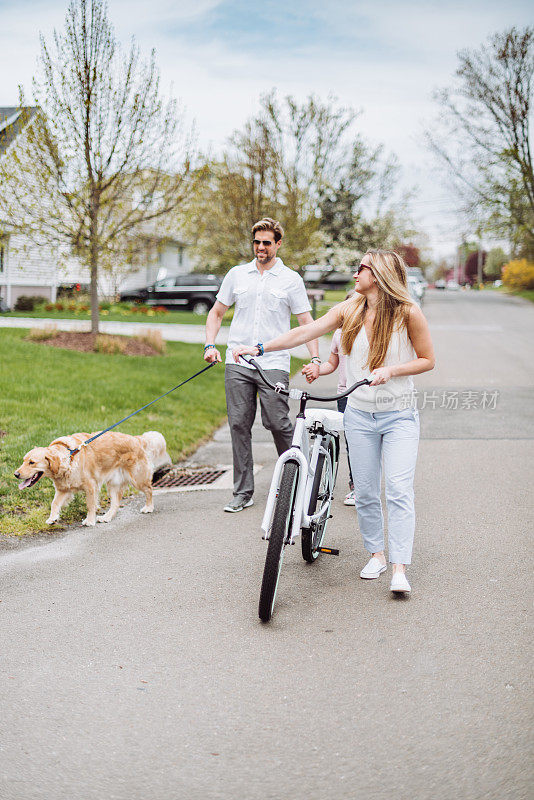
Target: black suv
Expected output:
[195,292]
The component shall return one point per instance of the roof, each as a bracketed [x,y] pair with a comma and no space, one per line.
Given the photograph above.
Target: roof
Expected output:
[12,121]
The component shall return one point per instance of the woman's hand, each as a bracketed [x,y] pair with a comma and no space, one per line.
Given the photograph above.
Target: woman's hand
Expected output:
[311,371]
[243,350]
[381,375]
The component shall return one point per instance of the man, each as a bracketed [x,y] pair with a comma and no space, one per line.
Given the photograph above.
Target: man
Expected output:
[265,293]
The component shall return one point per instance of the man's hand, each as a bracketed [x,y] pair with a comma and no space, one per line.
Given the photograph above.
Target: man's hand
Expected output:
[311,372]
[211,355]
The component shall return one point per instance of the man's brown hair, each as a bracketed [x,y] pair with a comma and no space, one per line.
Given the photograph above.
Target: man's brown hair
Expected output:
[268,224]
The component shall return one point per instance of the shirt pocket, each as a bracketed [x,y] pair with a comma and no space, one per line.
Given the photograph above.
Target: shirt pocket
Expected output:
[276,299]
[242,297]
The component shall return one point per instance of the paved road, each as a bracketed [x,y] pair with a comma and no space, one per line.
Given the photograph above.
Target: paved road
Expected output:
[134,666]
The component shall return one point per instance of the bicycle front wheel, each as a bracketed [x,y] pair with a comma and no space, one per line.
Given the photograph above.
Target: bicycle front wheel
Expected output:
[322,491]
[282,519]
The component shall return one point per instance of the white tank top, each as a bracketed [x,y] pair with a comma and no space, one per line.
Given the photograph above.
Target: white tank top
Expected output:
[394,395]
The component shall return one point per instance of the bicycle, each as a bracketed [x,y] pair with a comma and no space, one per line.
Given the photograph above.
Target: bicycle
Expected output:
[302,487]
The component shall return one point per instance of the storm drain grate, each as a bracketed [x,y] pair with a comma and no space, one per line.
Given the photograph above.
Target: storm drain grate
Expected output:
[189,477]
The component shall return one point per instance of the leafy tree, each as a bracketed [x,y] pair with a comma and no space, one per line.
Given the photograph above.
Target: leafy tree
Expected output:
[410,253]
[482,138]
[302,164]
[105,161]
[475,261]
[495,261]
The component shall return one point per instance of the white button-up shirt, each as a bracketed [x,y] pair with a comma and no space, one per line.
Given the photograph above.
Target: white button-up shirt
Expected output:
[263,307]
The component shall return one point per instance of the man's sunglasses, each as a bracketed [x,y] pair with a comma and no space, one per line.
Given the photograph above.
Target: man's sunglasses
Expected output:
[265,243]
[362,266]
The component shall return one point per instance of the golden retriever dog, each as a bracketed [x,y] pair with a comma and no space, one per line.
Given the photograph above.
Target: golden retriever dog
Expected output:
[114,459]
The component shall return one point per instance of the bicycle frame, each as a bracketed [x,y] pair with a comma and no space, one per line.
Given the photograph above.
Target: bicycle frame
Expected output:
[299,452]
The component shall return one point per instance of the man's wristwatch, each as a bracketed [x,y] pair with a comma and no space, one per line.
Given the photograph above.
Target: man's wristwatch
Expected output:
[208,347]
[260,348]
[315,360]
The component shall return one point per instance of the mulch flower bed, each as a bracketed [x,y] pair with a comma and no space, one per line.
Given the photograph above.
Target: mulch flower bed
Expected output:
[85,343]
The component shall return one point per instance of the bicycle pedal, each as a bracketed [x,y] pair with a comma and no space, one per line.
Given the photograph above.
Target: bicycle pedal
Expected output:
[329,551]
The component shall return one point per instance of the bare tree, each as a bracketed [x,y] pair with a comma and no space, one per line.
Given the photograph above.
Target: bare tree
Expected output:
[482,137]
[105,159]
[303,164]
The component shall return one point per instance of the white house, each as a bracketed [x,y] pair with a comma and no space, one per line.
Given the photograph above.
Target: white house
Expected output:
[26,269]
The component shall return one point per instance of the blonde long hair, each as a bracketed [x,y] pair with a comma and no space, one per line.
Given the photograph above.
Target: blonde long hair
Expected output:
[392,310]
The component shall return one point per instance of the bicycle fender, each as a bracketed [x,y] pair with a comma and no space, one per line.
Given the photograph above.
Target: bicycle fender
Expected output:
[293,454]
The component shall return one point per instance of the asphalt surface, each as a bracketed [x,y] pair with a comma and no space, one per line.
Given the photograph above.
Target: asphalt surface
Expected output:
[133,664]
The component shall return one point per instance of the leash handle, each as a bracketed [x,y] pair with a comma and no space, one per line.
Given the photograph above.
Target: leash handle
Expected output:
[88,441]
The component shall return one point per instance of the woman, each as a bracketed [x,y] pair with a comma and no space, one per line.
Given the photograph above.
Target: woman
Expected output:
[386,338]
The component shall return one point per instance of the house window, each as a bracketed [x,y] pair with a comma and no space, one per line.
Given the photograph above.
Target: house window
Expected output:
[2,255]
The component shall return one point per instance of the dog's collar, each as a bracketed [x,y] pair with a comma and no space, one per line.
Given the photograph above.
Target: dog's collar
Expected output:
[71,452]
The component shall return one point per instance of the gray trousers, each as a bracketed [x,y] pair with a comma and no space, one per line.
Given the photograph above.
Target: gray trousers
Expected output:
[243,386]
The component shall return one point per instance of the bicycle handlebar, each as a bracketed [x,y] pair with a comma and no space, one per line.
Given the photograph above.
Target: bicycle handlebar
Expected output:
[296,394]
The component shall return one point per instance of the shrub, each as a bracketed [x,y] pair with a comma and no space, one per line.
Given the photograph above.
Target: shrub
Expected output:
[59,306]
[24,303]
[109,344]
[161,309]
[154,339]
[518,274]
[42,334]
[49,307]
[105,306]
[84,308]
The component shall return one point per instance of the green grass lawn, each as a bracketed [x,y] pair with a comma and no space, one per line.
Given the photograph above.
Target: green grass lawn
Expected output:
[48,392]
[528,294]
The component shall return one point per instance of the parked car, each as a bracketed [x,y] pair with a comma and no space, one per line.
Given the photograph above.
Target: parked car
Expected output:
[416,289]
[453,286]
[416,272]
[319,277]
[195,292]
[440,284]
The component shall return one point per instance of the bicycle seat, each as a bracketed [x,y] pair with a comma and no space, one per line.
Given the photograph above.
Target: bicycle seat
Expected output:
[331,420]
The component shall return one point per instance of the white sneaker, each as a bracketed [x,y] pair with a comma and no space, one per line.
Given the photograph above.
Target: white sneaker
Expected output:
[350,499]
[373,569]
[399,583]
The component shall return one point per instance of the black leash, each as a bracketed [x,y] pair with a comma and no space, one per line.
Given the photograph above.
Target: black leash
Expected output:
[88,441]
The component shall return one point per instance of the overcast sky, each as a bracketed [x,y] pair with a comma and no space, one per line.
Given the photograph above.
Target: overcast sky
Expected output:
[381,56]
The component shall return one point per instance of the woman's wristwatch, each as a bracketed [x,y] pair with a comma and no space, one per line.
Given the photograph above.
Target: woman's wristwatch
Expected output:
[315,360]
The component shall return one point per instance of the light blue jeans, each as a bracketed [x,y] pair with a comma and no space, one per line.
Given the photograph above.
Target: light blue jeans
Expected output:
[394,437]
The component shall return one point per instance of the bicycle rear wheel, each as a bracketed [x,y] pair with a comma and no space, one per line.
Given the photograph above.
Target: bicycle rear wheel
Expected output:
[282,519]
[322,489]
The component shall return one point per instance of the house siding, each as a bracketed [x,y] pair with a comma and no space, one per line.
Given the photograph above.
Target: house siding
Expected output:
[27,269]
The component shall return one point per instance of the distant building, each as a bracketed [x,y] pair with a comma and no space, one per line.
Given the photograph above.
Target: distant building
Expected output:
[28,269]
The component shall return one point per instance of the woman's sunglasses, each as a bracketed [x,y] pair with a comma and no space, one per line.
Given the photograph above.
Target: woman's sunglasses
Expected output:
[362,266]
